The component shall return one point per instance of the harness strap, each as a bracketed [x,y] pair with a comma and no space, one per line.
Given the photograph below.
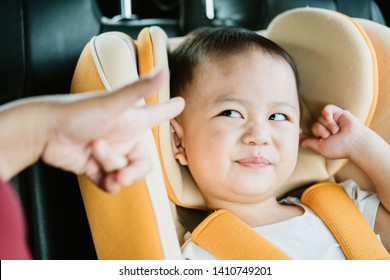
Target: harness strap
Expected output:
[348,225]
[227,237]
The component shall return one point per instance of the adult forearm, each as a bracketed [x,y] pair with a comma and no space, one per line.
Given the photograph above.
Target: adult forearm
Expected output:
[23,129]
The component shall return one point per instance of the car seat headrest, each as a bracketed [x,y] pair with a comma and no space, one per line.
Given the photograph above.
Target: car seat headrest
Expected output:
[379,35]
[336,64]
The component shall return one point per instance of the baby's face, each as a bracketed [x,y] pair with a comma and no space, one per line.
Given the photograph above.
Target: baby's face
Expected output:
[241,127]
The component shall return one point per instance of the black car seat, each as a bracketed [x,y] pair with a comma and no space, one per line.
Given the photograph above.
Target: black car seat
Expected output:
[257,14]
[131,16]
[41,42]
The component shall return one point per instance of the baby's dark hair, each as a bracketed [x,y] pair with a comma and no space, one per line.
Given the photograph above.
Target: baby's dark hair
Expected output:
[215,41]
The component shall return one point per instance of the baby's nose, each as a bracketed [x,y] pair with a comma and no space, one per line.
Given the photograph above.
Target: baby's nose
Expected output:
[256,135]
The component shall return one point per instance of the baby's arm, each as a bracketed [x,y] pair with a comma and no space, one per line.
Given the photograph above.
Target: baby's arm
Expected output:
[339,134]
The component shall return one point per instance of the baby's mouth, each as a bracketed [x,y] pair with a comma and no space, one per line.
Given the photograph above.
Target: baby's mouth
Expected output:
[254,162]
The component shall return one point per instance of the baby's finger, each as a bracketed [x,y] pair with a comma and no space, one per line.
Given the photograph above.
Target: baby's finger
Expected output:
[329,118]
[319,130]
[311,143]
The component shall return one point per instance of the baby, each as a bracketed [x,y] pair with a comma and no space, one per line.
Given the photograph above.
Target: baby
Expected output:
[239,135]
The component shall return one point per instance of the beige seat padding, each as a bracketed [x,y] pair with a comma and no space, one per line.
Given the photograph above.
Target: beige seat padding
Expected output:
[380,38]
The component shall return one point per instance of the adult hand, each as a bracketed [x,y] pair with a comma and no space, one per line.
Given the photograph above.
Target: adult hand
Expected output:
[99,136]
[94,134]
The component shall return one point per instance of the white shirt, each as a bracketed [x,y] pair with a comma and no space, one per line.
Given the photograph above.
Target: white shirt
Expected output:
[303,237]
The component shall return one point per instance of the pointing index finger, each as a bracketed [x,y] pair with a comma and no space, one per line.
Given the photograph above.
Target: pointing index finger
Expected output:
[157,113]
[130,94]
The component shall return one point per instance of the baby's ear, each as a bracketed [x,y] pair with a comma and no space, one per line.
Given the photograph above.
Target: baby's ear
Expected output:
[178,149]
[302,136]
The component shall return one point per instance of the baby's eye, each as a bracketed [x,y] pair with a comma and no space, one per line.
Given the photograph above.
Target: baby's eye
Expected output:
[278,117]
[231,114]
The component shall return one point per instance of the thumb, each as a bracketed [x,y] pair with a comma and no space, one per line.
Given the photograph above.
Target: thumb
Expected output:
[311,143]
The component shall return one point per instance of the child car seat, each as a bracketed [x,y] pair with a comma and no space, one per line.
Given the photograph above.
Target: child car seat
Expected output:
[332,47]
[137,222]
[380,39]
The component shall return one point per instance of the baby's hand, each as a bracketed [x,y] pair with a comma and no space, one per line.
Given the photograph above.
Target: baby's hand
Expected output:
[334,133]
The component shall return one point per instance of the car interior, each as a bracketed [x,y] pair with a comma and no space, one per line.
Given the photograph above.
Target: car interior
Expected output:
[41,47]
